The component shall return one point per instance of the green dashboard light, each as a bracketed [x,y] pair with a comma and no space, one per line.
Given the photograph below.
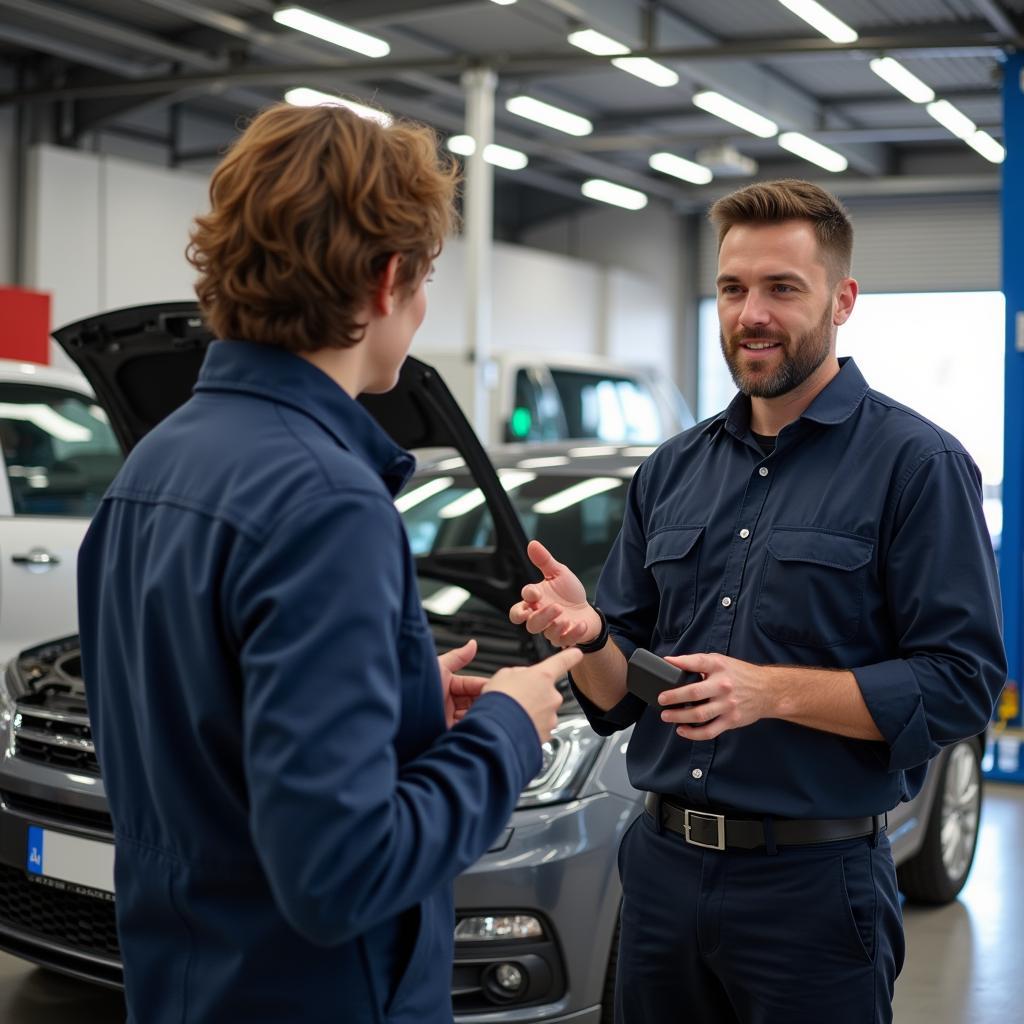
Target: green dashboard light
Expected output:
[520,422]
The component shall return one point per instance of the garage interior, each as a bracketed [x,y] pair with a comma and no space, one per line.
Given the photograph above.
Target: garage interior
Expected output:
[590,239]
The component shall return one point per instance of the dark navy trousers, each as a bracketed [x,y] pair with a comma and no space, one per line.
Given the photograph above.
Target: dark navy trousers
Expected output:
[806,935]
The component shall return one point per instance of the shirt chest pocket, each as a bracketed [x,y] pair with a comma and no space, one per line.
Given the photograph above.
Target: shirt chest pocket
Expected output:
[672,558]
[812,586]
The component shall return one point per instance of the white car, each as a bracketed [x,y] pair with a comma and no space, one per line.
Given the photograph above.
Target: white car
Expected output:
[568,396]
[59,456]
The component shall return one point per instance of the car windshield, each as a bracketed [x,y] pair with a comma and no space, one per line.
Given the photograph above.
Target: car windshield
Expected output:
[58,448]
[575,516]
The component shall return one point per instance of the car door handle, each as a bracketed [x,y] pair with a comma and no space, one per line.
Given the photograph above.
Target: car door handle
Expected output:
[37,556]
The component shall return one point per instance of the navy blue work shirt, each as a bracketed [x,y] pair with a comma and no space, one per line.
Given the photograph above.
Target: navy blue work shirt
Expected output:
[289,807]
[858,544]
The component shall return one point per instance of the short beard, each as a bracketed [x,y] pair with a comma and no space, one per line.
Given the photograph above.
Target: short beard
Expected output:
[810,351]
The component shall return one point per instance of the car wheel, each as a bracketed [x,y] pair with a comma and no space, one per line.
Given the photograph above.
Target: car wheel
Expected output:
[937,872]
[608,998]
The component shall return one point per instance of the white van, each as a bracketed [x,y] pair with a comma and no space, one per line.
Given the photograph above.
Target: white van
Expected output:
[557,397]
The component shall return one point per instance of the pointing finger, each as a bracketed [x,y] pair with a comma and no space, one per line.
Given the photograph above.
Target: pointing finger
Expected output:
[541,557]
[563,662]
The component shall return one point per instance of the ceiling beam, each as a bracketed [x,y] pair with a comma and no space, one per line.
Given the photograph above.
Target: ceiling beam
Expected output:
[49,43]
[111,32]
[555,64]
[687,137]
[894,186]
[997,17]
[368,13]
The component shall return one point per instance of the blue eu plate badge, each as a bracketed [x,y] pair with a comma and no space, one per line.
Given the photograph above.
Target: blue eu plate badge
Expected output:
[35,850]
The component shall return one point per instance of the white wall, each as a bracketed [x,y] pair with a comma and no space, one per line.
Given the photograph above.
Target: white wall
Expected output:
[647,292]
[6,190]
[105,232]
[541,302]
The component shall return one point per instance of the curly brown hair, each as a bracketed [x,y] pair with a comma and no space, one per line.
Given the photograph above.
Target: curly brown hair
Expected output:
[305,211]
[770,202]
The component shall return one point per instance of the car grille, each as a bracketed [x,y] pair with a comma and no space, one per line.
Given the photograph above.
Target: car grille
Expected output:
[62,738]
[84,923]
[48,811]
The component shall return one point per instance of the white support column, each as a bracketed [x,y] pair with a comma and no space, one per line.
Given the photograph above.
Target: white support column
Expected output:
[478,213]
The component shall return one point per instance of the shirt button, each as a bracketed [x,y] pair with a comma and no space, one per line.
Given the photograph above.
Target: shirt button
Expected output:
[726,601]
[697,773]
[744,533]
[763,471]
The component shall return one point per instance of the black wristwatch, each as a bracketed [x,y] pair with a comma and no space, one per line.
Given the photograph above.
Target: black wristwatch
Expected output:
[592,646]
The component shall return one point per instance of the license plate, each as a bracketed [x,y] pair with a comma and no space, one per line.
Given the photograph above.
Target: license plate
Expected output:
[79,863]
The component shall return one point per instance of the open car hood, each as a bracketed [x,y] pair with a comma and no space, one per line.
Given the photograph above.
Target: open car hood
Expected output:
[143,361]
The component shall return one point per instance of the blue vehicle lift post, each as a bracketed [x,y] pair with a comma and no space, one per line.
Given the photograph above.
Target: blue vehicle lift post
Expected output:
[1003,760]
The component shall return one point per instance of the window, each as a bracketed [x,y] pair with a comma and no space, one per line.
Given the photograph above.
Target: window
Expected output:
[59,451]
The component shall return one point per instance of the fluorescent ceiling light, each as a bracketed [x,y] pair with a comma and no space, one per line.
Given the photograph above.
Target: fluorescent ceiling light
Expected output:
[617,195]
[420,494]
[735,113]
[544,460]
[446,601]
[548,114]
[305,97]
[952,119]
[503,156]
[503,3]
[983,143]
[808,149]
[510,480]
[331,31]
[678,167]
[893,72]
[575,494]
[592,451]
[500,156]
[643,67]
[597,43]
[821,19]
[647,69]
[47,419]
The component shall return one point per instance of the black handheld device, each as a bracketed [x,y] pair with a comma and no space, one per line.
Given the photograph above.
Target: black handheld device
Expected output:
[647,676]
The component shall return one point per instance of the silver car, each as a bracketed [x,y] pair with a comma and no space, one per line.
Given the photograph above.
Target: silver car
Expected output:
[537,917]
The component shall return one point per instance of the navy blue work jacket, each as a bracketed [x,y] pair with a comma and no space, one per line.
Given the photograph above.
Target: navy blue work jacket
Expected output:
[858,544]
[289,808]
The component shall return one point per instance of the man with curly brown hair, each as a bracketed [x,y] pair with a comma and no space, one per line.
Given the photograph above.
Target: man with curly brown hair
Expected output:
[295,778]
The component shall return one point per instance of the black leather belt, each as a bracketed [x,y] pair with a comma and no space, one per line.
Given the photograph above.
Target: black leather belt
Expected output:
[718,832]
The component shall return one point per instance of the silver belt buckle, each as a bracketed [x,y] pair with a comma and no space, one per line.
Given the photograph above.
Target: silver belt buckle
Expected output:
[718,819]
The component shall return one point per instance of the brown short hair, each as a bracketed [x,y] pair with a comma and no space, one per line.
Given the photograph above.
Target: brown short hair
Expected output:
[306,209]
[771,202]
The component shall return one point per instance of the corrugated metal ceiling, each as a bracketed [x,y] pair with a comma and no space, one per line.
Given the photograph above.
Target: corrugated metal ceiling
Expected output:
[830,88]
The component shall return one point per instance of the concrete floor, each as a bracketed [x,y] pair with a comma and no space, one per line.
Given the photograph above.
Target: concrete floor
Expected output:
[963,961]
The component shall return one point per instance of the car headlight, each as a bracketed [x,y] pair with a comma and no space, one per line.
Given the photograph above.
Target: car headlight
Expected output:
[7,689]
[567,758]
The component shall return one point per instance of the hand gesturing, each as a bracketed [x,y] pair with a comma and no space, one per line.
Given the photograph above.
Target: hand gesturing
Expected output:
[557,605]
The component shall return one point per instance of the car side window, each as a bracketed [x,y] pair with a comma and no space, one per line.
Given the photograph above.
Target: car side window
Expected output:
[59,451]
